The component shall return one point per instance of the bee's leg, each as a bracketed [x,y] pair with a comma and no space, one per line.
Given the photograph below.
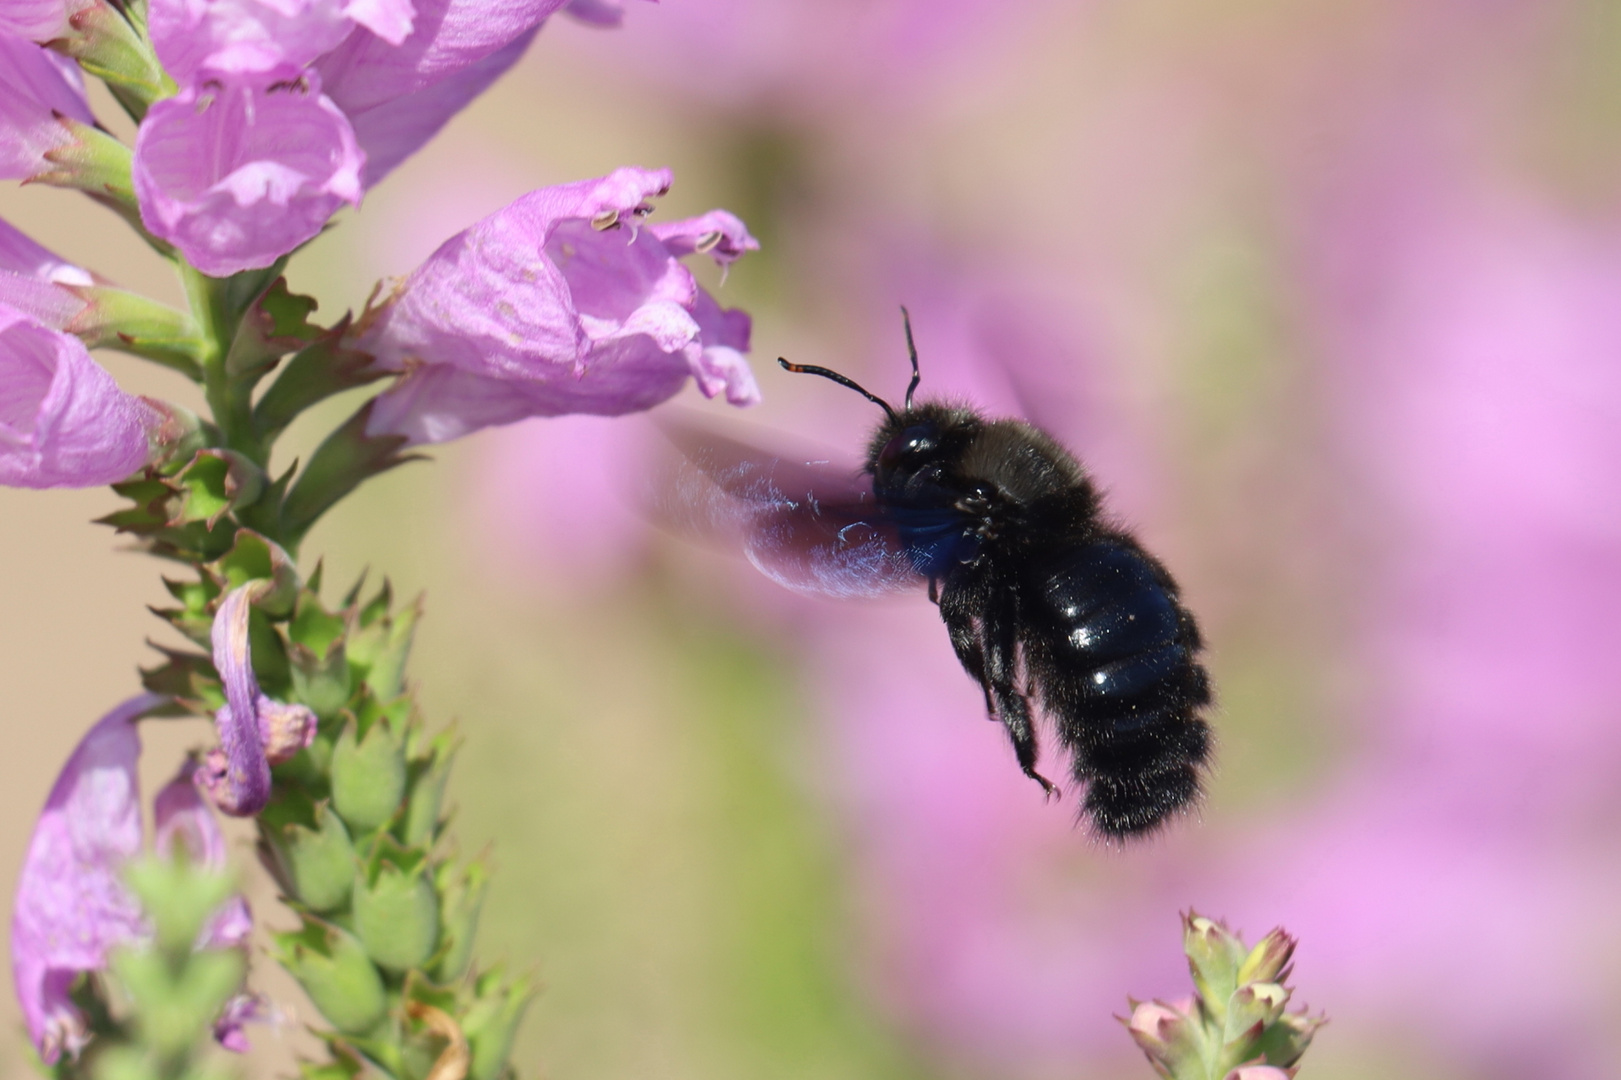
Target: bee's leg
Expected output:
[957,609]
[982,633]
[934,591]
[1011,706]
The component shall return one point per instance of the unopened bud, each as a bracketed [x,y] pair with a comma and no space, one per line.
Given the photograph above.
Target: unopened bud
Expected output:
[396,910]
[333,968]
[368,775]
[318,864]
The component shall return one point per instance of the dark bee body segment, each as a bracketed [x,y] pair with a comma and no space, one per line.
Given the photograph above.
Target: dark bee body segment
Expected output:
[1047,605]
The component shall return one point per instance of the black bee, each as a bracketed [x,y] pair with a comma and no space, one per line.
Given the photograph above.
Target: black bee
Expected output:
[1045,601]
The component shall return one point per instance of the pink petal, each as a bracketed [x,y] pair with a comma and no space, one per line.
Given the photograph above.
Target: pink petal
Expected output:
[30,279]
[241,174]
[63,420]
[243,36]
[34,20]
[392,130]
[34,84]
[449,35]
[719,234]
[559,303]
[391,20]
[72,907]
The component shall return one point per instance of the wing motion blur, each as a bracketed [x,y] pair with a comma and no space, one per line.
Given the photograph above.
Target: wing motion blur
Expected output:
[803,521]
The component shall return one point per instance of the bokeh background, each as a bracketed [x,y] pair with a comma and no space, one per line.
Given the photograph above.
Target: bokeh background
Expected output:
[1328,295]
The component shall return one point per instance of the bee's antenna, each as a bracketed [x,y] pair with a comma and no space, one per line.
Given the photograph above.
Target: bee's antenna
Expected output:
[911,349]
[842,380]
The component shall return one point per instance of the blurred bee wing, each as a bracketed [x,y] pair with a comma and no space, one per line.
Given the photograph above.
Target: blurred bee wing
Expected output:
[802,521]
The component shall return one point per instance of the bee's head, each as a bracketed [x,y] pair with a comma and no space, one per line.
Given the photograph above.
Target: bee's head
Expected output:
[923,437]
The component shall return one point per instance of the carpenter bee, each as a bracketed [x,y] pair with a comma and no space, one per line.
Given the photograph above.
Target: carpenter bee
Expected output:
[1050,607]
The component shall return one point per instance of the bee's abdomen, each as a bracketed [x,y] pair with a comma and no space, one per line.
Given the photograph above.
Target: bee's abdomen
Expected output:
[1113,655]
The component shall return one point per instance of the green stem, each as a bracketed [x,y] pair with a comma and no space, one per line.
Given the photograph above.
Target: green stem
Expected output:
[218,304]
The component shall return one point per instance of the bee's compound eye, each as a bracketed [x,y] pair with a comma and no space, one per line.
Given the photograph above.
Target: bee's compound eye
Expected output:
[911,444]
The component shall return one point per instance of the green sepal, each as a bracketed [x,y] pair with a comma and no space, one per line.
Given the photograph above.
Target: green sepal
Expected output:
[319,656]
[343,1066]
[331,965]
[381,645]
[149,516]
[380,1048]
[423,1043]
[174,1004]
[178,896]
[313,856]
[368,773]
[107,46]
[252,557]
[215,483]
[395,906]
[97,164]
[1286,1041]
[341,463]
[1214,956]
[1252,1009]
[320,369]
[116,318]
[492,1020]
[93,161]
[275,324]
[461,895]
[122,1062]
[190,678]
[427,774]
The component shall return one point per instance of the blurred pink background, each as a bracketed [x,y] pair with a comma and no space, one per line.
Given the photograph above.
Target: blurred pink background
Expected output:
[1328,296]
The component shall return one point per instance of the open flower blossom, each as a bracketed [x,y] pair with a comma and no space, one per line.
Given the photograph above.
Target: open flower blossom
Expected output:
[72,907]
[238,174]
[289,109]
[63,420]
[562,302]
[36,86]
[254,731]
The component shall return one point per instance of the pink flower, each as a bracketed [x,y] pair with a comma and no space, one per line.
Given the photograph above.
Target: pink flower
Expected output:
[291,108]
[563,302]
[254,731]
[238,174]
[63,421]
[242,36]
[31,280]
[71,907]
[35,85]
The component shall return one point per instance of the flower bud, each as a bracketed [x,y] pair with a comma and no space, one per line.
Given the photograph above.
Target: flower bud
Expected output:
[381,646]
[332,966]
[428,776]
[396,910]
[317,864]
[492,1021]
[463,898]
[1214,955]
[368,775]
[1269,960]
[1168,1034]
